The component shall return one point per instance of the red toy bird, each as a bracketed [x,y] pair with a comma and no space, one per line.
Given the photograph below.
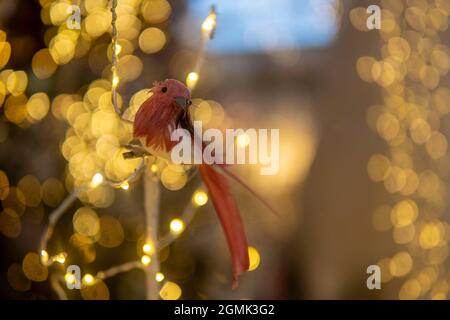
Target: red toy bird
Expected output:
[166,110]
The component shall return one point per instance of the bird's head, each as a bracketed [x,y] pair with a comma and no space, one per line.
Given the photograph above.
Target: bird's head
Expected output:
[165,110]
[172,92]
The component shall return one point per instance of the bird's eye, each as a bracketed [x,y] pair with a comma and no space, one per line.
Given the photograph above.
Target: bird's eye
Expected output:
[164,89]
[189,102]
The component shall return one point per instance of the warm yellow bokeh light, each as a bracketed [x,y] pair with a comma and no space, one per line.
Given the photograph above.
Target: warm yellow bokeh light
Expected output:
[173,177]
[159,277]
[191,80]
[209,24]
[42,64]
[146,260]
[96,291]
[430,235]
[111,232]
[5,53]
[152,40]
[401,264]
[97,180]
[148,248]
[10,223]
[404,213]
[88,279]
[155,11]
[118,49]
[17,82]
[33,268]
[170,291]
[60,258]
[70,278]
[38,106]
[176,226]
[254,258]
[86,222]
[125,185]
[44,257]
[200,198]
[115,81]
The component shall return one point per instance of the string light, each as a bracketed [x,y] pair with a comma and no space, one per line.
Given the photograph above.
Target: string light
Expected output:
[159,277]
[146,260]
[115,81]
[118,48]
[200,198]
[44,257]
[208,30]
[88,279]
[125,185]
[148,248]
[70,278]
[176,226]
[97,180]
[191,80]
[209,24]
[60,258]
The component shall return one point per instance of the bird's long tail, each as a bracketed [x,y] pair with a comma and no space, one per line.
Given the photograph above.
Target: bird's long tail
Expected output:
[230,174]
[229,217]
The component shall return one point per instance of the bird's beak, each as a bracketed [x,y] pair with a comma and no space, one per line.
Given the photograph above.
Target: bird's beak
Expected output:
[183,102]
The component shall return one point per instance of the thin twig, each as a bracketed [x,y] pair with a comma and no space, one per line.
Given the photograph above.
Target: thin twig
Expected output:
[55,282]
[206,35]
[188,215]
[111,272]
[56,214]
[54,217]
[151,205]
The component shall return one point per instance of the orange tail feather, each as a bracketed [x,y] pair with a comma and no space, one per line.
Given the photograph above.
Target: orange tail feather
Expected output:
[229,217]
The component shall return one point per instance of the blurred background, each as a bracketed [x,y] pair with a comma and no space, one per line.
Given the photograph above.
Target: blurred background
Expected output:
[364,158]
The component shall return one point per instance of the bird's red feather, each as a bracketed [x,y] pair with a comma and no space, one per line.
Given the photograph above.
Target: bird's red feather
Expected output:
[154,121]
[229,217]
[155,124]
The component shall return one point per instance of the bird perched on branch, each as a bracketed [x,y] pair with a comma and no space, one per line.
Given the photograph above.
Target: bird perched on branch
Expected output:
[164,111]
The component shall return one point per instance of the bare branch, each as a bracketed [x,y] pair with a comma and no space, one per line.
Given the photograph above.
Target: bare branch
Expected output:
[111,272]
[187,217]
